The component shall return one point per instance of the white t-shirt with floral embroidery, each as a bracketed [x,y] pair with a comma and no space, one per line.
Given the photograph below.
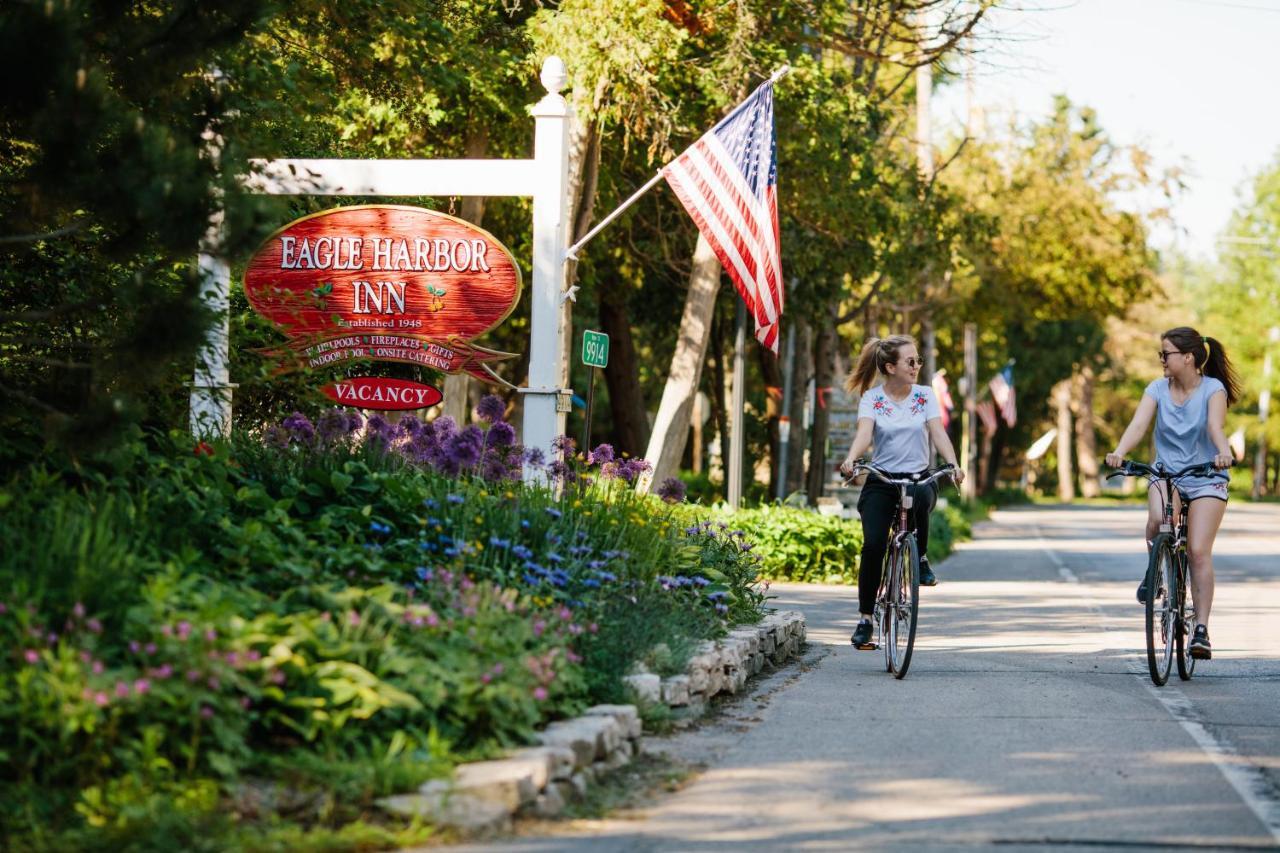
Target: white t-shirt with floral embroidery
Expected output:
[900,437]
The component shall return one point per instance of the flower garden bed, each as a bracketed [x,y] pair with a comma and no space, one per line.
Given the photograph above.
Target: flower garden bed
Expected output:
[330,615]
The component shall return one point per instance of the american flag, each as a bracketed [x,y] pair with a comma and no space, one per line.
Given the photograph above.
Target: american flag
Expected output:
[1002,392]
[727,180]
[987,414]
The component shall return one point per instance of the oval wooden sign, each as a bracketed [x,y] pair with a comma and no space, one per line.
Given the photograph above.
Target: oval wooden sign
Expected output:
[377,392]
[383,270]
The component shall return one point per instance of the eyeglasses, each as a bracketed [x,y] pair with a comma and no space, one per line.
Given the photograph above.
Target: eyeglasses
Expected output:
[1164,354]
[913,362]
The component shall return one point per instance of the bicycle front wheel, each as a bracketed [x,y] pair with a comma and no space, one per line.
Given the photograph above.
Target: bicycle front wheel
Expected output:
[1163,612]
[904,607]
[1185,621]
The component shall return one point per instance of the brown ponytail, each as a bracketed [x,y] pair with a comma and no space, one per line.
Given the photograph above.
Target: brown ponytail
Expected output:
[1210,357]
[876,355]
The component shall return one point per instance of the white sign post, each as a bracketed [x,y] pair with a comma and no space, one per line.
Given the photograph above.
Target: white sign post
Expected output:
[545,178]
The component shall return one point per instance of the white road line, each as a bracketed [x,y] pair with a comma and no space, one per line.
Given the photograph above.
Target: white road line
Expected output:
[1248,780]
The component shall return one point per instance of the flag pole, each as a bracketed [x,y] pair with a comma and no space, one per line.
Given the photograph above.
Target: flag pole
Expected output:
[572,252]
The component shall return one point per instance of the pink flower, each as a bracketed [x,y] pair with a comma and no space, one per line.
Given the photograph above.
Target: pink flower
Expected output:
[78,610]
[213,683]
[276,676]
[101,699]
[52,638]
[122,689]
[498,668]
[540,693]
[432,620]
[162,672]
[353,618]
[85,657]
[245,702]
[593,627]
[193,675]
[254,655]
[141,686]
[184,629]
[166,630]
[32,656]
[210,634]
[206,712]
[4,608]
[134,646]
[97,667]
[539,627]
[151,648]
[94,626]
[486,678]
[565,613]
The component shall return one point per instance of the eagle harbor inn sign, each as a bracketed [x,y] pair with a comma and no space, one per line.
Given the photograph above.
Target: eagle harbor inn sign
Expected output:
[544,178]
[384,283]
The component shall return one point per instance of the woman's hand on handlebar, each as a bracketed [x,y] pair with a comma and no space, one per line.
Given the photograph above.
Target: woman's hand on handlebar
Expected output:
[1115,460]
[1223,460]
[847,467]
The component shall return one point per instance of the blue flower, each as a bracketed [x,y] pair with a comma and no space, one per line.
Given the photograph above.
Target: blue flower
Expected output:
[430,503]
[433,521]
[499,543]
[591,582]
[607,577]
[716,596]
[521,553]
[377,527]
[531,580]
[554,558]
[455,499]
[554,513]
[597,564]
[424,573]
[581,534]
[452,551]
[701,581]
[524,523]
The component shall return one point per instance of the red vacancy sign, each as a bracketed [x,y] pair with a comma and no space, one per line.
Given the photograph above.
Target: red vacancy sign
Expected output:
[378,392]
[384,283]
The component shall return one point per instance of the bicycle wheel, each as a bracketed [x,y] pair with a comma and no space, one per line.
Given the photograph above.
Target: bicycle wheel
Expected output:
[1185,620]
[904,607]
[1162,610]
[884,611]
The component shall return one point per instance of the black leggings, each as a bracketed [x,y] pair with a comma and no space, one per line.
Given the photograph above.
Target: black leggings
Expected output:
[876,506]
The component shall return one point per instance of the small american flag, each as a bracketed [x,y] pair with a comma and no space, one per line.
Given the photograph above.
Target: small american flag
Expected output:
[987,414]
[1002,392]
[727,180]
[942,392]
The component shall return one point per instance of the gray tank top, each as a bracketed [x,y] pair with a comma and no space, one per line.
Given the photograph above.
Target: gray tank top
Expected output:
[1182,432]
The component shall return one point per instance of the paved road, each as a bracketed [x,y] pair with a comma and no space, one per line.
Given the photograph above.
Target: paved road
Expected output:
[1027,720]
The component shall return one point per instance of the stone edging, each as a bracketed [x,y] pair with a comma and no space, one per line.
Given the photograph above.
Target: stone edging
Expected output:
[483,796]
[723,666]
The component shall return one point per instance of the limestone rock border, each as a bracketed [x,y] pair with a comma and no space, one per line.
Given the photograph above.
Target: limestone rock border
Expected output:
[484,796]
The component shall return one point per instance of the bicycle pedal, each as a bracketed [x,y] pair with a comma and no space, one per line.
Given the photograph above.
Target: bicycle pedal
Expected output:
[867,647]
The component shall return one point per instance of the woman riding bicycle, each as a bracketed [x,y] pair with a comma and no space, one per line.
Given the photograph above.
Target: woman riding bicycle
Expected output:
[1190,408]
[900,417]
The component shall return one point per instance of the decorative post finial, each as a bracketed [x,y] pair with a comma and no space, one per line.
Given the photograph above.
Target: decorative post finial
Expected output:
[553,76]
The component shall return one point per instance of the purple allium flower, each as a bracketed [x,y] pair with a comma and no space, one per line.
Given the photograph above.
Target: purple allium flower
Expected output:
[672,490]
[141,686]
[333,426]
[380,432]
[502,434]
[601,455]
[300,428]
[540,693]
[277,437]
[632,468]
[564,445]
[411,426]
[492,409]
[445,428]
[465,447]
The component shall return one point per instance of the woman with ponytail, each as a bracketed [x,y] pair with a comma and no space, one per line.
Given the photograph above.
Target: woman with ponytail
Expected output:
[900,417]
[1189,406]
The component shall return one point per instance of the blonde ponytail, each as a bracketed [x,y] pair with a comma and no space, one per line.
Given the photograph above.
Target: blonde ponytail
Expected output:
[876,355]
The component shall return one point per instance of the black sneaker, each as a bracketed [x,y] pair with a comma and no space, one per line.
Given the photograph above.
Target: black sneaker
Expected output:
[927,577]
[1142,591]
[862,635]
[1200,648]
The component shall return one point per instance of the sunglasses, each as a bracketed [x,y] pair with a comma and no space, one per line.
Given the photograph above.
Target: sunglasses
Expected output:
[1164,354]
[913,362]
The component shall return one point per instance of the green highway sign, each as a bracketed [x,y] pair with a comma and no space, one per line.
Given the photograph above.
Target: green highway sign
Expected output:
[595,349]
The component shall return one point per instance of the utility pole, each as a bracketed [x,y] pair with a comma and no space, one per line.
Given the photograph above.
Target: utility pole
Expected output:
[1264,404]
[737,427]
[924,163]
[784,422]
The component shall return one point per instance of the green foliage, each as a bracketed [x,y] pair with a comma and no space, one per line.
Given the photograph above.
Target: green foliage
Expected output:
[800,545]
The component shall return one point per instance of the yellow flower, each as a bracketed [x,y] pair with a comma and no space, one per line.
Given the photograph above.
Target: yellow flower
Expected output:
[479,520]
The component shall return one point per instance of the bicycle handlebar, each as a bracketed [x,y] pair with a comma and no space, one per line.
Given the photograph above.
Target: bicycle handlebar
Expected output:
[926,476]
[1130,468]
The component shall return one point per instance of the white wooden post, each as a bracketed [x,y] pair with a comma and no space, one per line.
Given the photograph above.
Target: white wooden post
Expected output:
[545,178]
[542,421]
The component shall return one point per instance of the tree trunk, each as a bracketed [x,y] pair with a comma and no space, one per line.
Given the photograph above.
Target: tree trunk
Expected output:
[1066,473]
[799,395]
[671,426]
[771,370]
[626,400]
[995,448]
[457,388]
[824,366]
[1086,438]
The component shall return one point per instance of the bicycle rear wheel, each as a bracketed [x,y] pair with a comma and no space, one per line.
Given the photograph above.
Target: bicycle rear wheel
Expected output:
[1185,616]
[904,607]
[1163,613]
